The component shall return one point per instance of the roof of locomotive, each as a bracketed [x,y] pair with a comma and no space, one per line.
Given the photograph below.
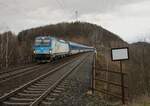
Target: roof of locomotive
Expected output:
[79,45]
[50,37]
[43,37]
[70,43]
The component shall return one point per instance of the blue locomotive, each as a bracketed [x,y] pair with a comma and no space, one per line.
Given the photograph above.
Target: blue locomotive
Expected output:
[47,48]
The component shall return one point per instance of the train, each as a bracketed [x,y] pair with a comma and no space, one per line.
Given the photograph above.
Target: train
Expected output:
[47,48]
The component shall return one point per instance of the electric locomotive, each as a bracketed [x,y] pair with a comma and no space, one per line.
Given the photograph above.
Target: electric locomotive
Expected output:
[47,48]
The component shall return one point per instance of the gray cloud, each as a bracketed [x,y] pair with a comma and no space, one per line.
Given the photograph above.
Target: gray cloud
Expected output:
[101,6]
[111,14]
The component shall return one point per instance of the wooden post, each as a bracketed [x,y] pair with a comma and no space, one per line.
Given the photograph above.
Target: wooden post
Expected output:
[122,84]
[93,73]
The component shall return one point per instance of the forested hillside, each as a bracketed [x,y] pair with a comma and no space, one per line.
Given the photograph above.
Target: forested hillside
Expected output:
[80,32]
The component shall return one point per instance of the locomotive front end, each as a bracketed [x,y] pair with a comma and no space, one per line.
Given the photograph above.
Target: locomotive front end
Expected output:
[42,49]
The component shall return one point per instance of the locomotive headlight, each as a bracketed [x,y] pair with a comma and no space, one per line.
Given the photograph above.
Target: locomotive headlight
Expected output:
[34,52]
[50,51]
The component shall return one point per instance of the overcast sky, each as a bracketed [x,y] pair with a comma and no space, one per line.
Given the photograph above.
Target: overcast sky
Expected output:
[130,19]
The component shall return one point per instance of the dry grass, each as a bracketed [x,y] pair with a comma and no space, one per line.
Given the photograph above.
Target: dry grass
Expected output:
[141,101]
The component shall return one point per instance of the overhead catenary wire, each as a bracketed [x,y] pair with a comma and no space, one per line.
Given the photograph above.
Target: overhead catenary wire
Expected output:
[73,12]
[61,4]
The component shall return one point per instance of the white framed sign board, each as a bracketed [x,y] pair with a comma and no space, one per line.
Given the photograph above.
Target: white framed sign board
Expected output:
[118,54]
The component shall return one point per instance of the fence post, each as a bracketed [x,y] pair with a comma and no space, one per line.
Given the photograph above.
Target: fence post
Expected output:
[122,84]
[93,72]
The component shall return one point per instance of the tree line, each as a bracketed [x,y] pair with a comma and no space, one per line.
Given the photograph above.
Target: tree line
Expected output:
[12,52]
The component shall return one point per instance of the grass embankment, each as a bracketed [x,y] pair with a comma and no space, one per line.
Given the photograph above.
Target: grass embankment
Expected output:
[104,63]
[141,101]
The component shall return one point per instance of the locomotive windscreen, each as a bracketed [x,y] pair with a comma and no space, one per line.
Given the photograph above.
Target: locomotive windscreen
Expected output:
[42,41]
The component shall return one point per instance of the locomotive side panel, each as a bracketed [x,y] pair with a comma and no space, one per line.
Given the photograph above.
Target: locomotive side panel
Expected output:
[59,47]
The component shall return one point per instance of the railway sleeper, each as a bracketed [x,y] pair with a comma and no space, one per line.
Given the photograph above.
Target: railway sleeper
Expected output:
[8,103]
[28,95]
[64,85]
[46,81]
[50,99]
[65,82]
[36,89]
[53,94]
[41,84]
[46,103]
[57,91]
[33,86]
[60,88]
[21,100]
[32,91]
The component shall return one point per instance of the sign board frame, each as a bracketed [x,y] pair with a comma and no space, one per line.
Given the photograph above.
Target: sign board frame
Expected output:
[119,49]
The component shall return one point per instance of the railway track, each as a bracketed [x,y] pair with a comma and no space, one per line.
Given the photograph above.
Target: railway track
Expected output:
[36,90]
[23,70]
[19,79]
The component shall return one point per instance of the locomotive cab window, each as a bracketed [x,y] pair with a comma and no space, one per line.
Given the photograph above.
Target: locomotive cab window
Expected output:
[46,41]
[42,41]
[38,41]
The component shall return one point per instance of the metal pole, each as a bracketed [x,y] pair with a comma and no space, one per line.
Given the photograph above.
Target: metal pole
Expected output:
[76,15]
[122,84]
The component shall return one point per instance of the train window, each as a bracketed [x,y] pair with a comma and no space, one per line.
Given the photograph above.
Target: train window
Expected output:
[42,41]
[46,41]
[38,41]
